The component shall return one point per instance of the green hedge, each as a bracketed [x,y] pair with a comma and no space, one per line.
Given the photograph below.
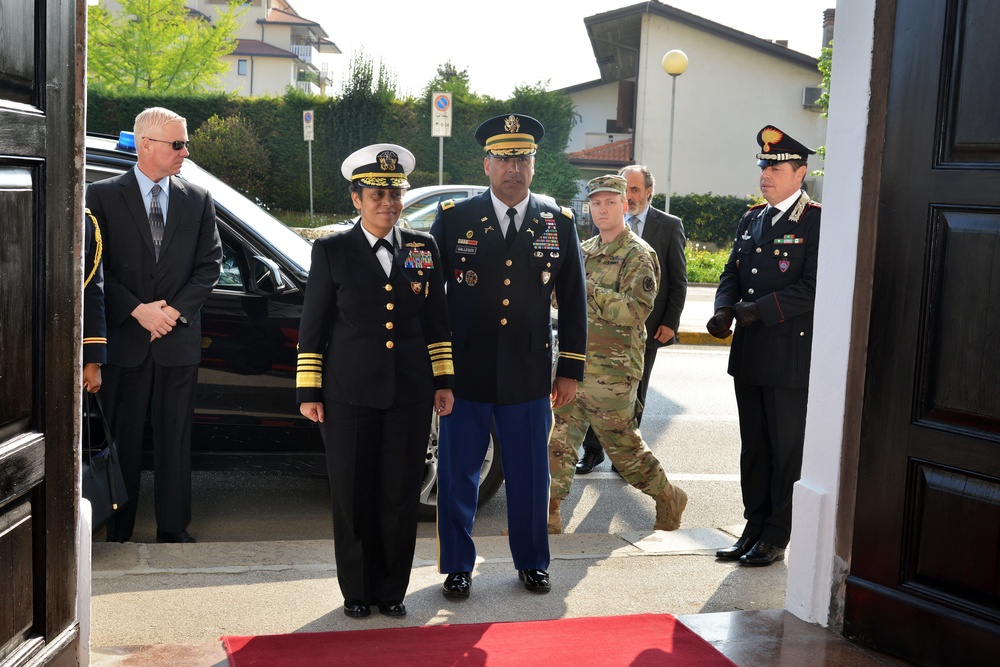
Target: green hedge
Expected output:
[708,218]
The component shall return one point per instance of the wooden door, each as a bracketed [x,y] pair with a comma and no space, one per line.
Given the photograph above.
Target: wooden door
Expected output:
[40,278]
[925,566]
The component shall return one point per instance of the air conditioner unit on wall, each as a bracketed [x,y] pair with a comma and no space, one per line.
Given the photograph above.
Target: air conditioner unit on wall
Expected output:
[810,98]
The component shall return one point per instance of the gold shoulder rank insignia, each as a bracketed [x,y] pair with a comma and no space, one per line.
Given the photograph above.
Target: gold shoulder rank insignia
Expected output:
[568,212]
[445,205]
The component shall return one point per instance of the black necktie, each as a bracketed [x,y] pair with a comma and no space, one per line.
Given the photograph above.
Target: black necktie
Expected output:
[511,228]
[156,220]
[382,243]
[769,216]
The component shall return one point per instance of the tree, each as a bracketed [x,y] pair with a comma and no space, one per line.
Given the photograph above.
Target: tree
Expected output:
[158,46]
[825,67]
[450,80]
[230,149]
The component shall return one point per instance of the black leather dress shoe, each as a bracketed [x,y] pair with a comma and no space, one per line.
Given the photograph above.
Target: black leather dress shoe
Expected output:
[457,585]
[536,581]
[590,460]
[735,552]
[357,609]
[182,537]
[396,609]
[762,553]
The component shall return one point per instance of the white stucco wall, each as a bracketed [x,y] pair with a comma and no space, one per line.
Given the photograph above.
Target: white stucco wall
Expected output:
[270,76]
[595,106]
[727,94]
[813,573]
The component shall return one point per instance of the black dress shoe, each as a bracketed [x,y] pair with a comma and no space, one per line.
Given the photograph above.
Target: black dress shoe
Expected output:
[762,553]
[457,585]
[536,581]
[735,552]
[591,459]
[391,608]
[357,609]
[182,537]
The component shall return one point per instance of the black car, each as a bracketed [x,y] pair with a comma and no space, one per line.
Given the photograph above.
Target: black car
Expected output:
[246,417]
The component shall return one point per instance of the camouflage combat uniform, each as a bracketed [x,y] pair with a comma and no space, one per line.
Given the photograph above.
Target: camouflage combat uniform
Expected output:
[622,278]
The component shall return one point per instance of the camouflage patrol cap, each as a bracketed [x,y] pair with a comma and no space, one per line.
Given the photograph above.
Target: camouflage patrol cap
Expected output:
[607,183]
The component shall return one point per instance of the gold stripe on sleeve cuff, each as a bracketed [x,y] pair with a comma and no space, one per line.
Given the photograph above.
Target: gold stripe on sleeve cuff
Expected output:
[95,340]
[573,356]
[309,373]
[441,358]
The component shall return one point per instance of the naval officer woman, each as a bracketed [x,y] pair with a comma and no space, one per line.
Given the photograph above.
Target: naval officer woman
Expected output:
[374,360]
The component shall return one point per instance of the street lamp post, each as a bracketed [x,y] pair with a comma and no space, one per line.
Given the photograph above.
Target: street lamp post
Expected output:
[674,63]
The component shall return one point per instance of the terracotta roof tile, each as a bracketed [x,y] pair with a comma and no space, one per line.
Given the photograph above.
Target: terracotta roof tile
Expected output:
[614,153]
[255,47]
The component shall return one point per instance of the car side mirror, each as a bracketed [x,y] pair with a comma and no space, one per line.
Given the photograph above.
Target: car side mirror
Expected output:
[267,278]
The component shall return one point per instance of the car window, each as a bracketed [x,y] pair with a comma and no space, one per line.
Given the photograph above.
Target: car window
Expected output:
[231,276]
[420,214]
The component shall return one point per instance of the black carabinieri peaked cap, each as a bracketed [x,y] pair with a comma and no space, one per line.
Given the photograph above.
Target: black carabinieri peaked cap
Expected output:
[776,146]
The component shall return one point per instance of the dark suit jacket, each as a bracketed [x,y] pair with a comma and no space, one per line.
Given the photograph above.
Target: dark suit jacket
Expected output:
[370,340]
[774,267]
[665,233]
[500,301]
[190,257]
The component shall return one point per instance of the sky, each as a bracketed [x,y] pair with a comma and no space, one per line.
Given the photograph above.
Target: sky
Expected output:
[501,45]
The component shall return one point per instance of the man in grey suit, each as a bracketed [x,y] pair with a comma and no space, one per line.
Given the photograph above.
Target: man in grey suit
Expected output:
[162,257]
[665,233]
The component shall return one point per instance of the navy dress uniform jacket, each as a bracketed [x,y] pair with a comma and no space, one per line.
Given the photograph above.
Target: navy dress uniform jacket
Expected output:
[189,267]
[500,300]
[370,340]
[775,267]
[95,336]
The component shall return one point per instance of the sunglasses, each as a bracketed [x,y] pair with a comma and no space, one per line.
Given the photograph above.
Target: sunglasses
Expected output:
[176,145]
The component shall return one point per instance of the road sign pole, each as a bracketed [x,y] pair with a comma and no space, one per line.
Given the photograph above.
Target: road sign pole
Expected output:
[310,183]
[308,122]
[440,126]
[440,160]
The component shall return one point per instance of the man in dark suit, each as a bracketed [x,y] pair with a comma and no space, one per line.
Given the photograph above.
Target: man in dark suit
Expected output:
[768,286]
[665,233]
[505,252]
[162,257]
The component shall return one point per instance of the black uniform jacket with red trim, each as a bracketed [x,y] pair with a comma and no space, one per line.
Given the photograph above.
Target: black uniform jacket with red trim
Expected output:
[500,301]
[370,340]
[774,267]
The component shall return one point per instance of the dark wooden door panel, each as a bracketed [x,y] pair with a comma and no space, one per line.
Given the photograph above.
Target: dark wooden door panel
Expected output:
[40,286]
[926,551]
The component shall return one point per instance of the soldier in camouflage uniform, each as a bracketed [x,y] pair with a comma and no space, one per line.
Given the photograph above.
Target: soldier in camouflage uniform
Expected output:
[622,275]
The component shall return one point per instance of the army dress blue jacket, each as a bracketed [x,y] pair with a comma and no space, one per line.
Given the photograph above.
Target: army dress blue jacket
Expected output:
[774,267]
[500,301]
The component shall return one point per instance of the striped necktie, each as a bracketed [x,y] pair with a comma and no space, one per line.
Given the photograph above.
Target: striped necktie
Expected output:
[156,220]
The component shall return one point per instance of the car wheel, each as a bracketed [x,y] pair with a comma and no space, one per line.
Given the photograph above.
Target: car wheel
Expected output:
[490,477]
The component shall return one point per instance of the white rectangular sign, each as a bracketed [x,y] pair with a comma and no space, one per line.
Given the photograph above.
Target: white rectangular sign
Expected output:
[307,125]
[441,114]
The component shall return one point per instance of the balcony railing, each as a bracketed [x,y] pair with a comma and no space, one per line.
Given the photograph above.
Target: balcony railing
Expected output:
[305,52]
[307,87]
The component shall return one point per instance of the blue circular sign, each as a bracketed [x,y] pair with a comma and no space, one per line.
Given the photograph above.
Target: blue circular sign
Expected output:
[442,103]
[308,117]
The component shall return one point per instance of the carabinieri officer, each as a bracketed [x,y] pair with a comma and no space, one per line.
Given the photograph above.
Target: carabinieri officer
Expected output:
[374,359]
[504,253]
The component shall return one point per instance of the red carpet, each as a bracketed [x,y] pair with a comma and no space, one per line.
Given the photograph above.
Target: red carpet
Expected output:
[647,639]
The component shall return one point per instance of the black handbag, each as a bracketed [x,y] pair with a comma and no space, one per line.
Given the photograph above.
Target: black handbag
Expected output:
[103,484]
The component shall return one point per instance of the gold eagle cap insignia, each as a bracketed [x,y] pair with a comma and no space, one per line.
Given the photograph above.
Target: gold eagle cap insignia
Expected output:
[387,160]
[770,136]
[511,124]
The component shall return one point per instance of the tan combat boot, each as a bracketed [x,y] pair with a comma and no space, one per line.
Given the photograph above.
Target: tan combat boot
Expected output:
[555,521]
[670,505]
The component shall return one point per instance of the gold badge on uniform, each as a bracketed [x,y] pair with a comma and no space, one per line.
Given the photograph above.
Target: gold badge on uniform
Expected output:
[471,278]
[546,276]
[468,234]
[416,287]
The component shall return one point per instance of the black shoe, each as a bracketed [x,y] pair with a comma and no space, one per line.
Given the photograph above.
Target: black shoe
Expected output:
[591,459]
[358,609]
[536,581]
[762,553]
[457,585]
[735,552]
[396,609]
[182,537]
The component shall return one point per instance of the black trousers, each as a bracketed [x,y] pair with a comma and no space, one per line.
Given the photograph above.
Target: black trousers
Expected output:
[590,441]
[166,395]
[375,460]
[772,431]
